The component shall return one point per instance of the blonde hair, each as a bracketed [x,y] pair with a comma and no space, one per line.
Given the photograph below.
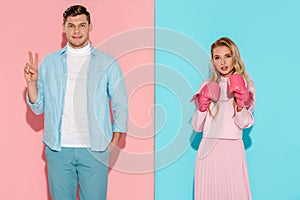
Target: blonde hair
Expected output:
[238,64]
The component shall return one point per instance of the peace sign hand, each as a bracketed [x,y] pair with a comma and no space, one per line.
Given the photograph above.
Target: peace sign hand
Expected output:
[31,68]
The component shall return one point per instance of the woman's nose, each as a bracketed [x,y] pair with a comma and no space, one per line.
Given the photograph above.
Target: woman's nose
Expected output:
[223,61]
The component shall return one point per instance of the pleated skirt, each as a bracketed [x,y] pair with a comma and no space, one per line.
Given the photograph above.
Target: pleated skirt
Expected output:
[221,171]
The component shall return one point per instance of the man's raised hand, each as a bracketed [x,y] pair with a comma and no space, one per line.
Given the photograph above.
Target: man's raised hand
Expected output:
[31,68]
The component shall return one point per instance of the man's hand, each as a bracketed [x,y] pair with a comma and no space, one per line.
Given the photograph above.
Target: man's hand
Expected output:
[31,68]
[31,76]
[114,141]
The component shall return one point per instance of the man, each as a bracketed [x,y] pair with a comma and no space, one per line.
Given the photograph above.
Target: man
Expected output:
[76,88]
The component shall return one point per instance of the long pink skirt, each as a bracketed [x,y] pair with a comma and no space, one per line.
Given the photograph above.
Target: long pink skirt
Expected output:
[221,171]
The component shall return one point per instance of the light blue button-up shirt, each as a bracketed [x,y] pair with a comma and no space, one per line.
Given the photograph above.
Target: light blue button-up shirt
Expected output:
[104,83]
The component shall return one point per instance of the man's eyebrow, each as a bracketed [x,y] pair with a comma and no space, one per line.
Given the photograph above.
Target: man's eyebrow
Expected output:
[74,24]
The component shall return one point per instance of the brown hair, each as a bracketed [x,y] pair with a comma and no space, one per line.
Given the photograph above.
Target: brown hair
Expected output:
[76,10]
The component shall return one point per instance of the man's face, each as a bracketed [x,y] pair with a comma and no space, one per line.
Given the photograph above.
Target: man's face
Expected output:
[77,31]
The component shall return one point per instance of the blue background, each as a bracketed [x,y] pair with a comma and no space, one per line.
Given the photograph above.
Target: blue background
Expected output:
[267,34]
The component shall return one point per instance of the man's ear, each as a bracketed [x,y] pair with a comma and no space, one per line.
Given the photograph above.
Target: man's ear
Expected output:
[63,28]
[91,26]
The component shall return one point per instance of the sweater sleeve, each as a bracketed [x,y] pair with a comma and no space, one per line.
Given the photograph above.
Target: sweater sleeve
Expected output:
[198,120]
[244,118]
[199,117]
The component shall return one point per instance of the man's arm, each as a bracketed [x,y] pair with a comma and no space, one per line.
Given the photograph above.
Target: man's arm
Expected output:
[34,95]
[117,92]
[114,141]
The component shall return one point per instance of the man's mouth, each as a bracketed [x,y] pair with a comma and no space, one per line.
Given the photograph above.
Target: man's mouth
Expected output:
[77,37]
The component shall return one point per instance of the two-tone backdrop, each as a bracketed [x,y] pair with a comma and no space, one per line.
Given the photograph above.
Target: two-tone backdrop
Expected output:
[163,49]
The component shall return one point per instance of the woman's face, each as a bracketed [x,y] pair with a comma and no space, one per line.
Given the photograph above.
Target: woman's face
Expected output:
[222,59]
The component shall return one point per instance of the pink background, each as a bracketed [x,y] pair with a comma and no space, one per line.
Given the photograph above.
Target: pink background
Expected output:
[36,25]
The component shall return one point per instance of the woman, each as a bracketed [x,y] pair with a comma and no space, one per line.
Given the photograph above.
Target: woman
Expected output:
[224,106]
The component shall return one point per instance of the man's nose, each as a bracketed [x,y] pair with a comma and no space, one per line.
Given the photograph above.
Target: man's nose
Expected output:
[76,29]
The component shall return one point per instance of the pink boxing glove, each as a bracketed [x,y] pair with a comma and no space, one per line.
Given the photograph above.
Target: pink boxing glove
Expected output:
[210,92]
[237,85]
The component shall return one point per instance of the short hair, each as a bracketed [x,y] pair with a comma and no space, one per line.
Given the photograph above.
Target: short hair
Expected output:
[76,10]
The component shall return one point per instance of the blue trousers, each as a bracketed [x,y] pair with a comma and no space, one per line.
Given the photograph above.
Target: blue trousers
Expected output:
[72,166]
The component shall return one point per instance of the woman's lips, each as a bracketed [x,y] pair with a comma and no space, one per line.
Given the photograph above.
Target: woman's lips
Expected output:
[224,68]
